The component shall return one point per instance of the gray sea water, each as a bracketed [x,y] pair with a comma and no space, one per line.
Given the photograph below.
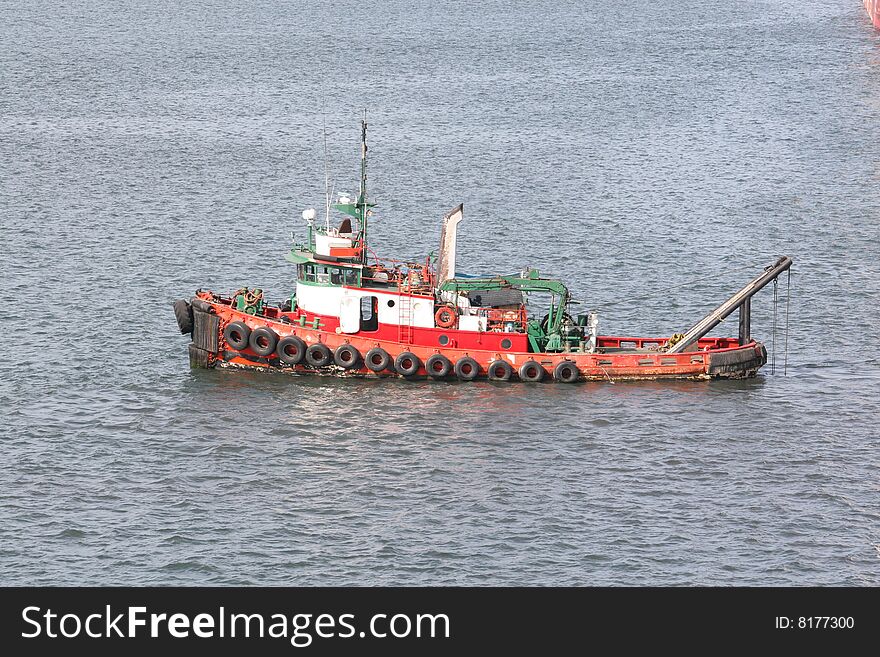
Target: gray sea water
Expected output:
[654,155]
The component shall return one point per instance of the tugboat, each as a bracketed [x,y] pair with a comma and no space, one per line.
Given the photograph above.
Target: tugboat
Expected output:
[355,314]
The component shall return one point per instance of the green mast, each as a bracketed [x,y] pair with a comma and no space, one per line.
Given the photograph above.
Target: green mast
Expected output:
[360,209]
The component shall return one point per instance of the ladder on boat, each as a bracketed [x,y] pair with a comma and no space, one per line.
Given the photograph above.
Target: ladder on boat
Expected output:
[404,326]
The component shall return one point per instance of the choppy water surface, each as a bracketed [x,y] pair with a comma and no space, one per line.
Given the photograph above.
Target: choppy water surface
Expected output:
[655,157]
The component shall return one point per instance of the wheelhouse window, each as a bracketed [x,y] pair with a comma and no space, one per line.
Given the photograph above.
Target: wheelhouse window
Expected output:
[322,275]
[325,275]
[351,277]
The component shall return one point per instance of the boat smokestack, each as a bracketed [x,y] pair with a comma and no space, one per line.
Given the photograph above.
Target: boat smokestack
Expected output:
[446,257]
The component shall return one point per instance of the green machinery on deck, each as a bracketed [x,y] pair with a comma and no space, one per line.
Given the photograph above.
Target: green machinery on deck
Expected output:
[557,331]
[248,301]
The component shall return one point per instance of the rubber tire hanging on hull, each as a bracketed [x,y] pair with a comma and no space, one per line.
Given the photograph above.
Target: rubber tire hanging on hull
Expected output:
[467,369]
[438,366]
[263,341]
[346,356]
[184,315]
[291,350]
[566,372]
[531,371]
[407,364]
[237,335]
[500,370]
[318,355]
[377,360]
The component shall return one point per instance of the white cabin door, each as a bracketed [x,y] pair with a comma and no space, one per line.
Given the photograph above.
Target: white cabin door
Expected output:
[350,315]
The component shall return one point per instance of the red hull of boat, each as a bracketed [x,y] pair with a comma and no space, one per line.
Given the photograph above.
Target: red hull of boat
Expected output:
[618,357]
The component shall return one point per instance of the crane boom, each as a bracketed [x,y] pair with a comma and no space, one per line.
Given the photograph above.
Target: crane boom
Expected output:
[741,299]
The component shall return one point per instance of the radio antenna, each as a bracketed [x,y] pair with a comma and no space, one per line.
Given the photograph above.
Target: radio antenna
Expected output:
[327,191]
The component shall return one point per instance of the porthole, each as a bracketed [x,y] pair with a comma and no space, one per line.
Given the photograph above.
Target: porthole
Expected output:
[506,343]
[444,340]
[391,303]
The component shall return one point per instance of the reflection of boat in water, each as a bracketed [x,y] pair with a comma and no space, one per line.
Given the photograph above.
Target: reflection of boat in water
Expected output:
[873,8]
[356,314]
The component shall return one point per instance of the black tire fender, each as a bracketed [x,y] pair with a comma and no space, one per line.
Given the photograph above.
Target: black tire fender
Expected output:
[263,341]
[184,314]
[377,360]
[291,350]
[237,335]
[500,370]
[407,364]
[318,355]
[438,366]
[467,369]
[531,371]
[346,356]
[566,372]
